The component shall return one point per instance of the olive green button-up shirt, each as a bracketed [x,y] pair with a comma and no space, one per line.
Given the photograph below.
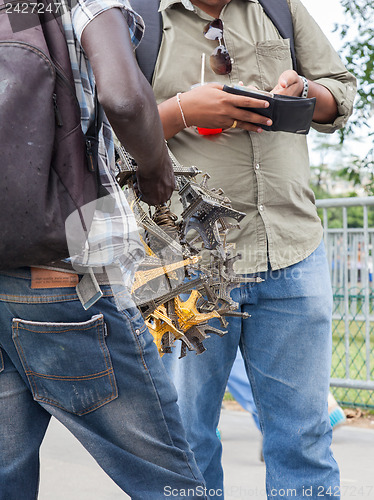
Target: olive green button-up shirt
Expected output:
[265,175]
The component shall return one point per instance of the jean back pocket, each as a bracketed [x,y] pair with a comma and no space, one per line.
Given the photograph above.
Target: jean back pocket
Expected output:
[68,365]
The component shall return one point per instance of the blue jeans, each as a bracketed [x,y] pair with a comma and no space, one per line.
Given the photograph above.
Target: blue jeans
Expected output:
[286,347]
[240,388]
[99,373]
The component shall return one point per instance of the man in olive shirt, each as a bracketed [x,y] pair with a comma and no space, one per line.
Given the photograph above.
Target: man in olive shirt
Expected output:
[286,344]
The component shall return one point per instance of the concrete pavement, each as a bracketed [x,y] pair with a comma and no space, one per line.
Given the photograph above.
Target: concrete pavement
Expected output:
[69,473]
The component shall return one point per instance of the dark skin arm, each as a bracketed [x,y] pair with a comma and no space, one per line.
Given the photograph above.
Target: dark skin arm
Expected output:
[128,102]
[208,106]
[326,109]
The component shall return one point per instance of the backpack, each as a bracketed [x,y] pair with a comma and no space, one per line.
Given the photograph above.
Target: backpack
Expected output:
[146,54]
[45,172]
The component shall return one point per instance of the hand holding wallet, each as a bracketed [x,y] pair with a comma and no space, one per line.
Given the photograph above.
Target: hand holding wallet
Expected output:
[288,113]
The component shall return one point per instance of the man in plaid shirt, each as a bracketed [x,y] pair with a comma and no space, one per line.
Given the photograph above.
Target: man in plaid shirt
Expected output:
[96,369]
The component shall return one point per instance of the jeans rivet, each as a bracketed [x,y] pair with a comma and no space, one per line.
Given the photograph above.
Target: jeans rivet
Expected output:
[137,331]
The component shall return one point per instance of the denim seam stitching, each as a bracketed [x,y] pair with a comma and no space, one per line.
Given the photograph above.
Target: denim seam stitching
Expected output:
[22,357]
[106,354]
[43,296]
[167,426]
[99,404]
[135,336]
[56,331]
[93,376]
[143,329]
[42,299]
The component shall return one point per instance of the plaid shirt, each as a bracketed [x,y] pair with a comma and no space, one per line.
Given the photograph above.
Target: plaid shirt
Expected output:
[113,237]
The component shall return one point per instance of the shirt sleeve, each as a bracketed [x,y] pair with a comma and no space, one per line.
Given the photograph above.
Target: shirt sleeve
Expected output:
[318,61]
[84,11]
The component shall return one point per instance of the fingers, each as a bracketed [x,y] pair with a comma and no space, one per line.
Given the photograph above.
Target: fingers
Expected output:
[156,190]
[248,102]
[157,195]
[208,106]
[252,127]
[156,185]
[251,122]
[289,83]
[245,118]
[210,90]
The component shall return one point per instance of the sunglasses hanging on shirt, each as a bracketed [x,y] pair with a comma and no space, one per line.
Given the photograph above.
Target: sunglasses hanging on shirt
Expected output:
[220,60]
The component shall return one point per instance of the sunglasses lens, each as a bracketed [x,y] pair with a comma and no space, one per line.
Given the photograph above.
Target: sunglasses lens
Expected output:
[220,61]
[214,30]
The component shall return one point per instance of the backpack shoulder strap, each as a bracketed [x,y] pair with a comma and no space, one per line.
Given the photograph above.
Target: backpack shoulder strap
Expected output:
[277,10]
[147,52]
[279,13]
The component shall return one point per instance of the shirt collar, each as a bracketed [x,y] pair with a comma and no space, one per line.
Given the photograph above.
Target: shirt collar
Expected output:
[165,4]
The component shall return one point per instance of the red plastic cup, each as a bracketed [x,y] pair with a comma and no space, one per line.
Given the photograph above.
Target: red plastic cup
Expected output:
[208,131]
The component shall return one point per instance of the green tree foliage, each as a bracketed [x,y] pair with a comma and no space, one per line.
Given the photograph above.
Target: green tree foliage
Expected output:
[358,53]
[360,172]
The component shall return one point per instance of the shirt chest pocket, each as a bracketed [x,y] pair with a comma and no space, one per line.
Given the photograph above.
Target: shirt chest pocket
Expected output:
[273,57]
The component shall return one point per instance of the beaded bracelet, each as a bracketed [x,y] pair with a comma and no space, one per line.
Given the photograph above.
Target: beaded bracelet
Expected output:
[306,87]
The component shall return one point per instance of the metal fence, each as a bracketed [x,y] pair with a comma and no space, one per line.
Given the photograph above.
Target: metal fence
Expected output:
[350,252]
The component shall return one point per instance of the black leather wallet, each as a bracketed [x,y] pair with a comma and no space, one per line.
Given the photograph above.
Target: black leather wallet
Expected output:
[288,113]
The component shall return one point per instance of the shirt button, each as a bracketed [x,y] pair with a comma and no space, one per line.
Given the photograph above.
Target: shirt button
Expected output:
[261,207]
[257,166]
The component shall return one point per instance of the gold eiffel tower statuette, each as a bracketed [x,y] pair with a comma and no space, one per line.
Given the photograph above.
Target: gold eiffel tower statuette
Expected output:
[160,325]
[142,277]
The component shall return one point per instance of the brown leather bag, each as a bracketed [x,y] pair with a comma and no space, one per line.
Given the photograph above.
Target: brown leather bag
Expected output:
[43,166]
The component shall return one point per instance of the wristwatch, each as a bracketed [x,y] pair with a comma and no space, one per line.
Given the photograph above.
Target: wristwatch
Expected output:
[306,87]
